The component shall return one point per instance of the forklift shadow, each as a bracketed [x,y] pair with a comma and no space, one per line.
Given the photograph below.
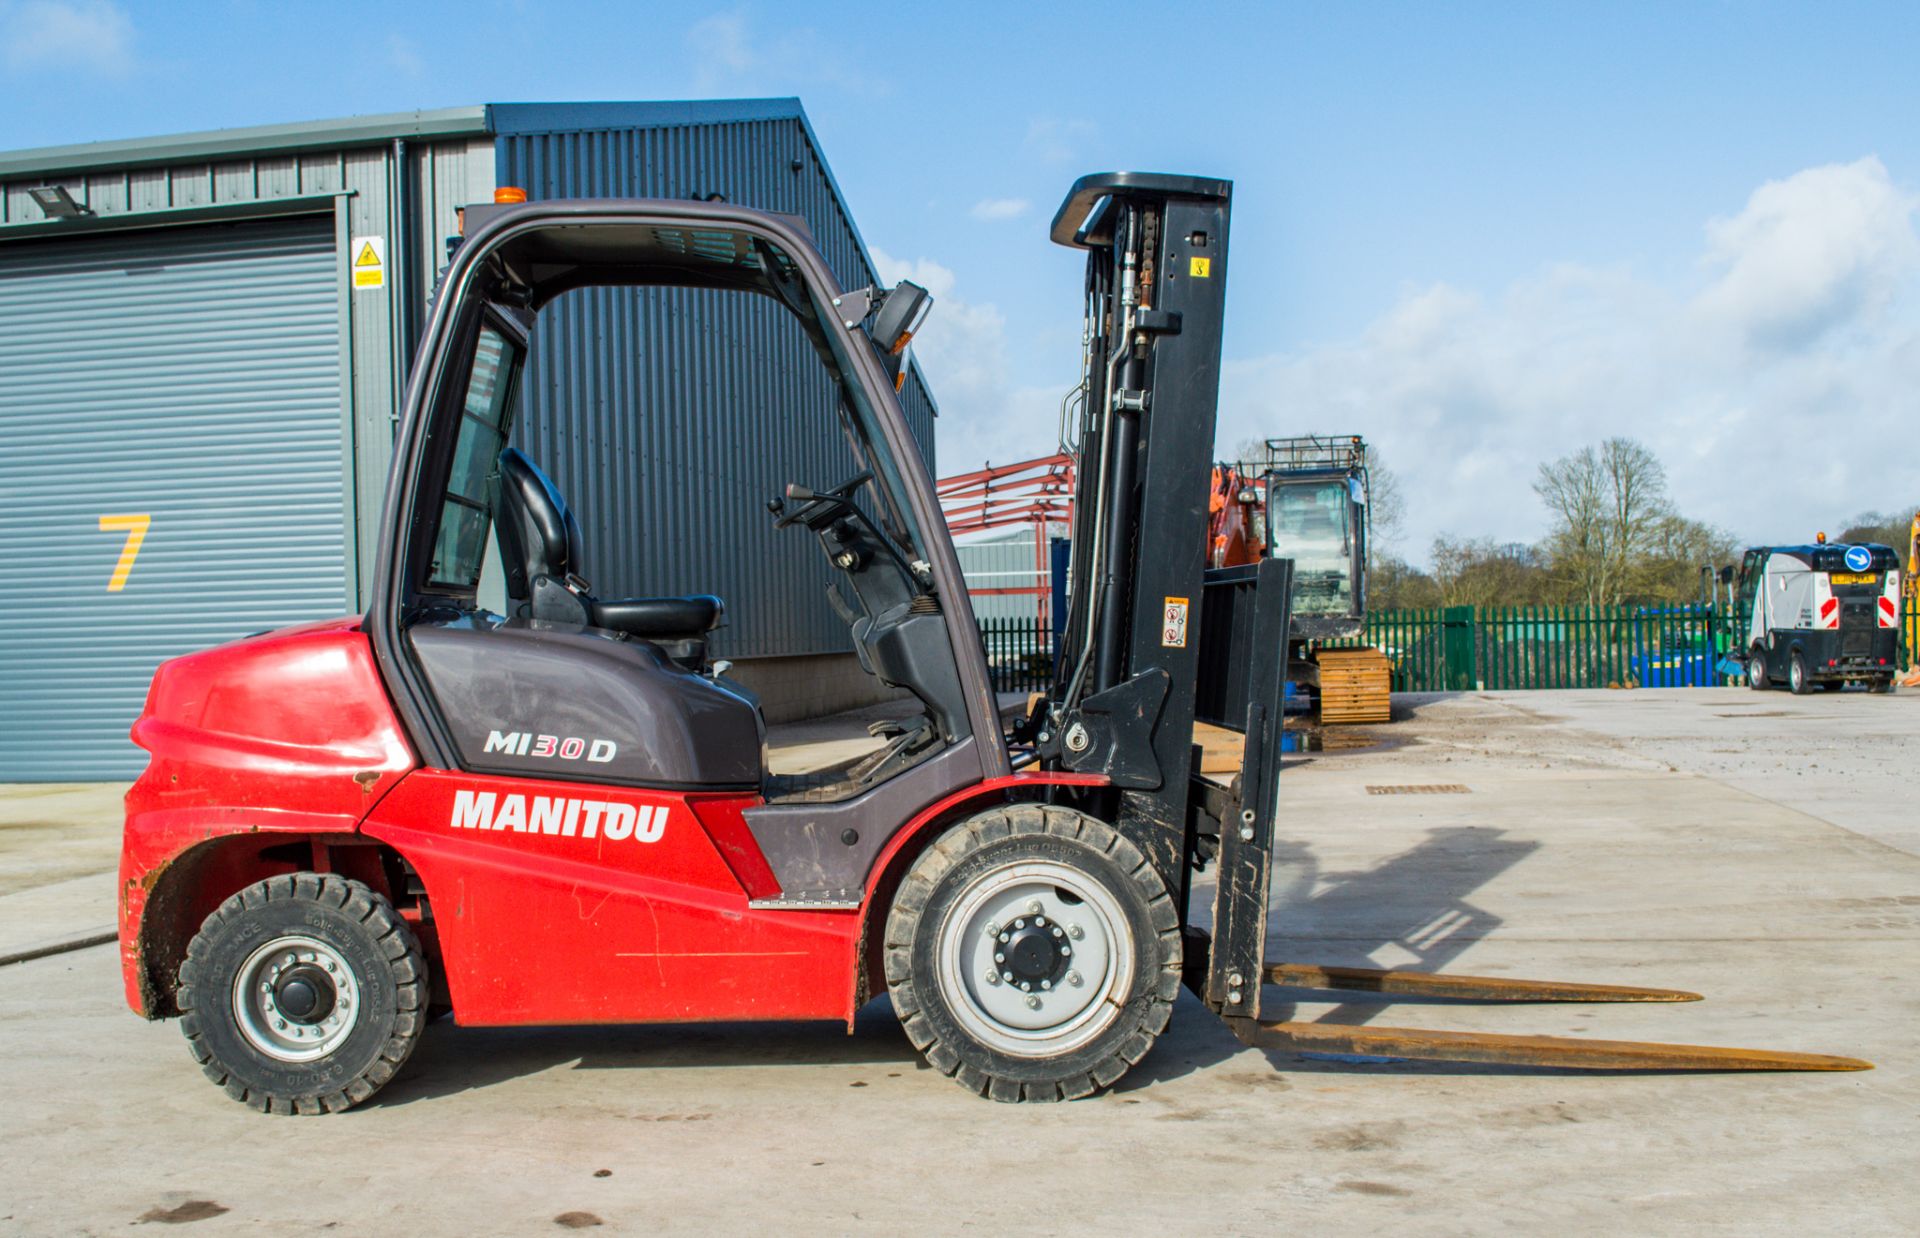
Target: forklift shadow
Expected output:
[452,1060]
[1415,901]
[1413,906]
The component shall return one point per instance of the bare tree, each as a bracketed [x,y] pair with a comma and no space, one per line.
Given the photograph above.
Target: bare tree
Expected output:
[1608,504]
[1386,507]
[1483,572]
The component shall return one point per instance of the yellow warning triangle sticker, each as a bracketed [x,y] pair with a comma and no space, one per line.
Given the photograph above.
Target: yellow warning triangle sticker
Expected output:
[367,257]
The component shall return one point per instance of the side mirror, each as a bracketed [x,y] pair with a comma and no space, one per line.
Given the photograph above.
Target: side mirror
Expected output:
[899,316]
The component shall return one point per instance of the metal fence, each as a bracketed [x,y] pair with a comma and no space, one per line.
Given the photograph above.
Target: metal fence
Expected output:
[1466,648]
[1019,654]
[1493,649]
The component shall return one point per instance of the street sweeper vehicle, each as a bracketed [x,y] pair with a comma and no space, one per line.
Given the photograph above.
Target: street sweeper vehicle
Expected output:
[561,813]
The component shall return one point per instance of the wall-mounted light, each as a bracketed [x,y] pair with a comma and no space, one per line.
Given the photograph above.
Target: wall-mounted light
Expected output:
[56,203]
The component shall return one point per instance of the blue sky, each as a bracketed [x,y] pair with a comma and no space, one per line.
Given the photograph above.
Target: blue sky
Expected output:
[1480,234]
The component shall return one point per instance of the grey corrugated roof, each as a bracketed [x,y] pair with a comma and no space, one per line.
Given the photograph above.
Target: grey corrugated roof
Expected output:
[240,143]
[375,130]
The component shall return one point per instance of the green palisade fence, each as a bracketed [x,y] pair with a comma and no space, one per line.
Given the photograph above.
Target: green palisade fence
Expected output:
[1491,648]
[1503,648]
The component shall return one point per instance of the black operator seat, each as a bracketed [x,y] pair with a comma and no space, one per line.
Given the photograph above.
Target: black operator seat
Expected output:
[540,551]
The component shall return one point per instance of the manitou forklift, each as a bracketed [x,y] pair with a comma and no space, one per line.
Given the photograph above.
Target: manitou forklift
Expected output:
[563,814]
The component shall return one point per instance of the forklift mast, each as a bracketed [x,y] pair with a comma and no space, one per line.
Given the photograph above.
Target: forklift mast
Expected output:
[1123,701]
[1153,640]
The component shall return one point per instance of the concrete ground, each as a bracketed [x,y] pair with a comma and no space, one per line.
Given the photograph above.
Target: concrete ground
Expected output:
[1762,850]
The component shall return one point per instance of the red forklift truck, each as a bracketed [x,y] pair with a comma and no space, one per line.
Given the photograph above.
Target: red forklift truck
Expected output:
[562,814]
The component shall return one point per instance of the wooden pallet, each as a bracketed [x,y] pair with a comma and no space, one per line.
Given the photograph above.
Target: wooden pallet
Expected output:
[1354,686]
[1220,749]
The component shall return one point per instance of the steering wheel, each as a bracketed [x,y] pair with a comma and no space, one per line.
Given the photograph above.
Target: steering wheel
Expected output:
[812,502]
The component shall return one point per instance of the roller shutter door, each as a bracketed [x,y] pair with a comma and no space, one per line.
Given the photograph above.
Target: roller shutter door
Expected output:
[183,382]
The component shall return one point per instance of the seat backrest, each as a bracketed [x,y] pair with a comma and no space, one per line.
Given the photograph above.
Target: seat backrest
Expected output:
[538,534]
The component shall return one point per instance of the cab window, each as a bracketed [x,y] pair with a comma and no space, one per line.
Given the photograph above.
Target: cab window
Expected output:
[485,419]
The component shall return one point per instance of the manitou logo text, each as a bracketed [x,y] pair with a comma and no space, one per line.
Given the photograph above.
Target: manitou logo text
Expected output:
[566,748]
[548,814]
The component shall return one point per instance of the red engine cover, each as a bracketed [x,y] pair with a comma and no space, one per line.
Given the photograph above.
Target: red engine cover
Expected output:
[286,732]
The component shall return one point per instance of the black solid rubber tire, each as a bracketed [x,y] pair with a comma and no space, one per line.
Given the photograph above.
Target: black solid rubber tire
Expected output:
[363,928]
[1757,681]
[1882,684]
[941,874]
[1799,681]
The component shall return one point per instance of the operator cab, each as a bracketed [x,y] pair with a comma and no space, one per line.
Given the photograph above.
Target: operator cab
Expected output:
[521,666]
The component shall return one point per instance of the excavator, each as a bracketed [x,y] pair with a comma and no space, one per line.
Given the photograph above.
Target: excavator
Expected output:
[562,812]
[1307,502]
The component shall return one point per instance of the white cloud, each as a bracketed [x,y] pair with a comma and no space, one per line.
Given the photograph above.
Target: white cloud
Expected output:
[730,54]
[1780,390]
[991,209]
[1058,140]
[962,349]
[1818,248]
[93,35]
[720,46]
[403,55]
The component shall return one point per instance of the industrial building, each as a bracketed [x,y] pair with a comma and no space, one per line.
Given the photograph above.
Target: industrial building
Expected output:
[203,347]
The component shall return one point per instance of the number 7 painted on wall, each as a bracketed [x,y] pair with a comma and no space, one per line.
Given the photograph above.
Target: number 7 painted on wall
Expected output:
[135,527]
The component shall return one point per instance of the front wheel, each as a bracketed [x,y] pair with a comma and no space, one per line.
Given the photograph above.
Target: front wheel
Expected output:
[1798,681]
[1757,671]
[303,994]
[1033,954]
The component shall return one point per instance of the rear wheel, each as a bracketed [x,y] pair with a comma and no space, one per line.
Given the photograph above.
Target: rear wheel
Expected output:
[303,994]
[1757,671]
[1798,681]
[1882,684]
[1033,954]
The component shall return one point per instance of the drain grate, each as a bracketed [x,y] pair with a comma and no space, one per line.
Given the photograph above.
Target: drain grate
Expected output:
[1420,788]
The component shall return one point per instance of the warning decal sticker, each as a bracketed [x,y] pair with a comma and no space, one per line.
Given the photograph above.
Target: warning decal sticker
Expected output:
[1173,627]
[368,262]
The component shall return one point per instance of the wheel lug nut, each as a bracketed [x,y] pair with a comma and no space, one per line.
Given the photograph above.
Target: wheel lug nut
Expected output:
[331,967]
[1046,984]
[1019,924]
[1004,937]
[1066,952]
[1056,930]
[992,930]
[281,1024]
[1076,932]
[998,957]
[1034,908]
[993,977]
[1039,922]
[1073,978]
[1033,1003]
[1007,976]
[1026,986]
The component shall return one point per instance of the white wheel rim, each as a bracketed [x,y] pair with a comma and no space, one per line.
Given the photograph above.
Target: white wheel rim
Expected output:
[276,1032]
[1092,961]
